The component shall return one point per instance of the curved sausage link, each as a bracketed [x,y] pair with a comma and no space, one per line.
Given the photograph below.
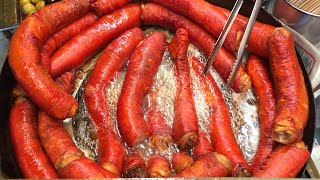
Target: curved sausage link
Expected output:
[292,99]
[84,168]
[143,65]
[285,161]
[24,56]
[64,35]
[221,133]
[31,158]
[153,14]
[185,122]
[111,150]
[264,90]
[68,160]
[76,51]
[207,16]
[109,63]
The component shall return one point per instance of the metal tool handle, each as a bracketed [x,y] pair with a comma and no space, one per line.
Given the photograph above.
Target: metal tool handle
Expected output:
[223,34]
[244,41]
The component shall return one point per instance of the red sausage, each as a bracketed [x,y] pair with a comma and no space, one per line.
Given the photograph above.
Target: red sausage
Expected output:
[292,108]
[185,122]
[68,160]
[160,133]
[264,90]
[221,133]
[64,35]
[110,61]
[32,160]
[158,167]
[258,40]
[101,7]
[111,151]
[84,168]
[153,14]
[134,166]
[209,165]
[207,16]
[24,56]
[143,65]
[284,162]
[180,161]
[74,53]
[203,147]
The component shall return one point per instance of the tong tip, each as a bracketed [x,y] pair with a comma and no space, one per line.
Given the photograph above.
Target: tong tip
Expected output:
[205,70]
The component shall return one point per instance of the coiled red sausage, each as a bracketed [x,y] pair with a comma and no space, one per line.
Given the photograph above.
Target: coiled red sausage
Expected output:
[109,63]
[153,14]
[31,158]
[207,16]
[64,35]
[68,160]
[24,56]
[284,162]
[264,90]
[185,122]
[74,53]
[292,99]
[221,134]
[111,151]
[143,65]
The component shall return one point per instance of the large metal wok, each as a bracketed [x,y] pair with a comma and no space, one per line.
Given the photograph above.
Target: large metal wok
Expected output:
[9,168]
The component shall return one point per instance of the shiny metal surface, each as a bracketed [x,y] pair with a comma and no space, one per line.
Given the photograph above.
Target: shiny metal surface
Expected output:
[305,23]
[244,41]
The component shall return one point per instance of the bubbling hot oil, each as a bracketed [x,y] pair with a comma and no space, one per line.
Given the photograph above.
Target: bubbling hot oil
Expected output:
[243,108]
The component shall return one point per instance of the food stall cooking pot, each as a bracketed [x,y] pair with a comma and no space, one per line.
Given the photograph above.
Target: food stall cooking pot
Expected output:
[9,168]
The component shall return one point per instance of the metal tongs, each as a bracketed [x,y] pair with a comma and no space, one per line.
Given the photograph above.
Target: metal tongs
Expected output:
[244,40]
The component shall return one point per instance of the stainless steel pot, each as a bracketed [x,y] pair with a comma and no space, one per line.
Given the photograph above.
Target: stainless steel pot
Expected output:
[306,23]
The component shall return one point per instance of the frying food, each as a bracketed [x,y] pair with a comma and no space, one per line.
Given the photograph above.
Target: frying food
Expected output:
[195,135]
